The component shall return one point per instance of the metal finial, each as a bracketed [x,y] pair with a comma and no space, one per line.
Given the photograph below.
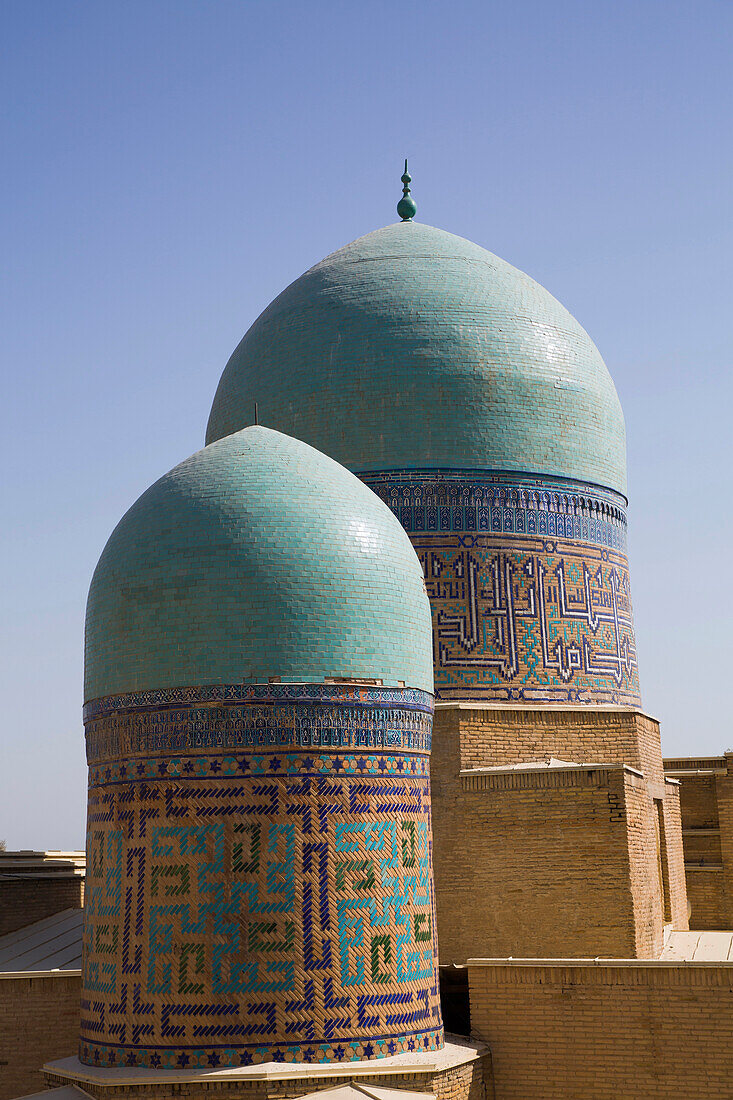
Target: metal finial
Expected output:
[257,416]
[406,207]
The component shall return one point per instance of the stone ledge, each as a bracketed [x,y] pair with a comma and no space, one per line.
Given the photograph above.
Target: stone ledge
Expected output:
[543,777]
[599,961]
[455,1054]
[12,975]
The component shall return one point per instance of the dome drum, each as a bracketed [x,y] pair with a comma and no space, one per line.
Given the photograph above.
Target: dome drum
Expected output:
[259,878]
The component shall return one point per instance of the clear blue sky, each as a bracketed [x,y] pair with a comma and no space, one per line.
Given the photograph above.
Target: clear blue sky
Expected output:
[169,166]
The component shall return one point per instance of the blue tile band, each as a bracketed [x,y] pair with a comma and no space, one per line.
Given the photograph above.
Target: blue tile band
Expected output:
[256,718]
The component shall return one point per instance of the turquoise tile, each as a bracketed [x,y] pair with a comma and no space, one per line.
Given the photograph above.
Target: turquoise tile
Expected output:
[412,348]
[256,557]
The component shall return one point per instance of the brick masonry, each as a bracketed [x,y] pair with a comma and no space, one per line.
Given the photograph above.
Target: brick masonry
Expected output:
[572,1031]
[553,861]
[706,798]
[39,1021]
[28,899]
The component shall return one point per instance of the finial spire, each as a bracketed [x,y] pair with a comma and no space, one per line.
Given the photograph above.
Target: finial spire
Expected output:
[257,414]
[406,207]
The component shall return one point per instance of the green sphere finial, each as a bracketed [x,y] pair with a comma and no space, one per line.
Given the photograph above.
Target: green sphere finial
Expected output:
[406,207]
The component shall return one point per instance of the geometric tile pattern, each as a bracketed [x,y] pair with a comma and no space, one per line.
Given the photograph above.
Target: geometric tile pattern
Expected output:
[247,906]
[528,583]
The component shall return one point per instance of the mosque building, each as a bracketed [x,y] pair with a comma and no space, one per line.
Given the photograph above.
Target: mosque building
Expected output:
[364,727]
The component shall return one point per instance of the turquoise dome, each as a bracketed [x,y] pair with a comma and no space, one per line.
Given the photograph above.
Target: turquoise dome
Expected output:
[412,348]
[257,557]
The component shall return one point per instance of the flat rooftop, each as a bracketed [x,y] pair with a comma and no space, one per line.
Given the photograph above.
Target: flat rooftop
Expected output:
[52,944]
[698,947]
[30,864]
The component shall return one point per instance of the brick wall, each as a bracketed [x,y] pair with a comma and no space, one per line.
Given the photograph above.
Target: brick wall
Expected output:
[25,900]
[553,862]
[673,854]
[706,894]
[645,871]
[509,734]
[545,867]
[39,1021]
[706,800]
[724,794]
[699,802]
[574,1032]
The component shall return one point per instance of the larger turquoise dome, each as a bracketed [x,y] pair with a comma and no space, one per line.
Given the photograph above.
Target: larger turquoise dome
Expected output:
[257,558]
[412,348]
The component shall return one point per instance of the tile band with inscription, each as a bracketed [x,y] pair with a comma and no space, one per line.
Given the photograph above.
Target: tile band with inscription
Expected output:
[528,582]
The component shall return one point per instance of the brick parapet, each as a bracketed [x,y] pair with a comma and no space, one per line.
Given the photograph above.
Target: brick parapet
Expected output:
[39,1020]
[24,900]
[568,1029]
[602,972]
[553,860]
[510,734]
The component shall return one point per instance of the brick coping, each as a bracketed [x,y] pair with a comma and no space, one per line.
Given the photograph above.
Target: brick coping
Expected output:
[39,876]
[584,708]
[527,775]
[616,964]
[543,769]
[6,975]
[690,773]
[454,1054]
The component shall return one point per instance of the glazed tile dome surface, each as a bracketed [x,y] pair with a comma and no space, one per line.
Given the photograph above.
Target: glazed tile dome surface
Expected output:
[412,348]
[257,557]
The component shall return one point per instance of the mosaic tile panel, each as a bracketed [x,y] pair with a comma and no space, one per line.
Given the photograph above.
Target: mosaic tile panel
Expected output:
[528,583]
[267,900]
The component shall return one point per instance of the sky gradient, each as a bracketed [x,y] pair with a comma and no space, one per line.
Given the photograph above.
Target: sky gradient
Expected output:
[171,165]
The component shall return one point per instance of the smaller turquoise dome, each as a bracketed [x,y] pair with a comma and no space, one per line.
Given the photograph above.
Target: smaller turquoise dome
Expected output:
[258,557]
